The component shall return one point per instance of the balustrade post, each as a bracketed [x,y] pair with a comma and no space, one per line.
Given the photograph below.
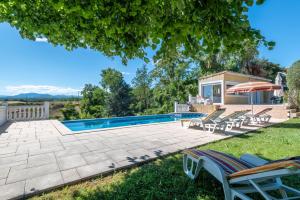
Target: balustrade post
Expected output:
[46,107]
[190,98]
[3,113]
[175,106]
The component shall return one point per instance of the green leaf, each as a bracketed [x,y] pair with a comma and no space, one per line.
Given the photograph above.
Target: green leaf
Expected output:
[249,2]
[259,2]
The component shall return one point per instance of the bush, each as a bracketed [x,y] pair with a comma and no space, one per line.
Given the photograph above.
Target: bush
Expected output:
[293,81]
[69,112]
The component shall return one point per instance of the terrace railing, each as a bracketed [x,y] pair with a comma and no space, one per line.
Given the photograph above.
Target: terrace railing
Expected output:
[30,112]
[179,108]
[192,100]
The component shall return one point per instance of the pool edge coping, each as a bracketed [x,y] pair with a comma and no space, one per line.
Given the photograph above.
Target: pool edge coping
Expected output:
[63,130]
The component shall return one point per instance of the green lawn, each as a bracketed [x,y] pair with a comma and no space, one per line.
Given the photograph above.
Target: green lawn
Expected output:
[164,178]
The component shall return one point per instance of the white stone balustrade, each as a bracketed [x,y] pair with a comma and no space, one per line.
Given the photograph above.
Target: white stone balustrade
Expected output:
[30,112]
[192,100]
[180,108]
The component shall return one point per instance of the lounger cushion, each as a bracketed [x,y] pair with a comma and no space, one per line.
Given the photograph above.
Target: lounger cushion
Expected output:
[275,165]
[234,167]
[227,162]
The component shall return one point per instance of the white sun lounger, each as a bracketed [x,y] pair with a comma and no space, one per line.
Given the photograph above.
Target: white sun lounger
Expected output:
[201,121]
[260,117]
[241,177]
[228,122]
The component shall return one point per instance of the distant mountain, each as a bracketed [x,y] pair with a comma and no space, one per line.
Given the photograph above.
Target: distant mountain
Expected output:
[37,96]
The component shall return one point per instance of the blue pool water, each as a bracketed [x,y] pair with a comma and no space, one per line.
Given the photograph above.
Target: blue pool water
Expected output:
[102,123]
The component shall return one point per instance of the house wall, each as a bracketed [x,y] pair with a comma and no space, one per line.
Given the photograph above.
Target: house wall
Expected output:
[201,108]
[230,78]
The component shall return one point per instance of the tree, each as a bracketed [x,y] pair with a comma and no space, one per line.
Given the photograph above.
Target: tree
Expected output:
[93,101]
[293,81]
[262,68]
[127,28]
[175,78]
[118,93]
[69,112]
[141,90]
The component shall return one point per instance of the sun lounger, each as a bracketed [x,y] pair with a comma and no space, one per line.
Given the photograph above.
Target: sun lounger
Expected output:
[232,120]
[242,177]
[203,120]
[260,117]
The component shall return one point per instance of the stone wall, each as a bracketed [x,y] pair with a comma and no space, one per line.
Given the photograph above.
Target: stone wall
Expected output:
[201,108]
[277,112]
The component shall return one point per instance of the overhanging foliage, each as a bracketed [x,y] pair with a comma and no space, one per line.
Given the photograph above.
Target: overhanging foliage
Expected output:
[126,28]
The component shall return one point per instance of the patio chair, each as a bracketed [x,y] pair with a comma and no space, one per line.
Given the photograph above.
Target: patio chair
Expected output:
[232,120]
[260,117]
[203,120]
[241,178]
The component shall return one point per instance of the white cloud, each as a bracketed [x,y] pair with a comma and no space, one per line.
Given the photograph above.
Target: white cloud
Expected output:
[41,40]
[126,73]
[43,89]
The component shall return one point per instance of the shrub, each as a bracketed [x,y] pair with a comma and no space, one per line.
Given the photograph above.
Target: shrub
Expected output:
[293,81]
[69,112]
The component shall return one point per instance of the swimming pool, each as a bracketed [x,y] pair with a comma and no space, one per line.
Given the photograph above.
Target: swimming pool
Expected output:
[104,123]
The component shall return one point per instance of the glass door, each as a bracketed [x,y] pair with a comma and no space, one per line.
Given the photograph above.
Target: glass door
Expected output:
[212,92]
[217,97]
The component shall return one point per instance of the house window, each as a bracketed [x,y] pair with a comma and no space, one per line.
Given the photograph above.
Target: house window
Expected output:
[212,92]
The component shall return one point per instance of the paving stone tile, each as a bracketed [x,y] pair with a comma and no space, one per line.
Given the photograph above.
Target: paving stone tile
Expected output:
[23,174]
[94,156]
[68,138]
[142,154]
[43,182]
[68,162]
[72,143]
[127,163]
[18,167]
[9,149]
[12,159]
[45,150]
[46,144]
[2,181]
[71,151]
[93,146]
[96,168]
[26,147]
[3,145]
[118,155]
[41,159]
[70,175]
[14,164]
[115,145]
[4,172]
[12,190]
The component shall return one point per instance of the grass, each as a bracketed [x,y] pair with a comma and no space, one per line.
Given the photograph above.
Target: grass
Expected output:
[164,178]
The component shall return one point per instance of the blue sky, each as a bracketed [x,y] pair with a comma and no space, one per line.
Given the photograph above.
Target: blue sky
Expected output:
[27,66]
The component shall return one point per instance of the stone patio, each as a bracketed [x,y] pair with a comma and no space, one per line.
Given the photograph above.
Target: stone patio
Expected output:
[37,156]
